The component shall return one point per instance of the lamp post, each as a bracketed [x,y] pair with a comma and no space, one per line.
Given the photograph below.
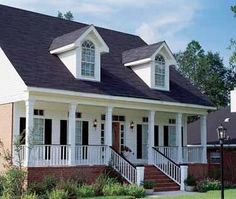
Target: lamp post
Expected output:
[221,132]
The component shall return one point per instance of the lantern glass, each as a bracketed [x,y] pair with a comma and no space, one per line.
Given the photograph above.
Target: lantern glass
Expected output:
[221,131]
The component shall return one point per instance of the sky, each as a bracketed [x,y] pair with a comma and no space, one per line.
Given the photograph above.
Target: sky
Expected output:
[176,21]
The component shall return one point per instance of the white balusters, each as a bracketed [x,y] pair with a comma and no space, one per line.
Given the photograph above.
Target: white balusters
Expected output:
[193,154]
[124,167]
[167,166]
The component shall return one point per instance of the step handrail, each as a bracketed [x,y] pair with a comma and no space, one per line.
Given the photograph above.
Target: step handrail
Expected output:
[167,166]
[123,166]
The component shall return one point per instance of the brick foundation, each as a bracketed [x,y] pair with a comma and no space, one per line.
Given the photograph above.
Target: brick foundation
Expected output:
[87,173]
[199,171]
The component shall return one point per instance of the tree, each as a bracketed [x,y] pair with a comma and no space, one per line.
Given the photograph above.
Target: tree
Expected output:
[206,71]
[68,15]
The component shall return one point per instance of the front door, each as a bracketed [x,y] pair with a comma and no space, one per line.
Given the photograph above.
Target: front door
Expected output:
[116,136]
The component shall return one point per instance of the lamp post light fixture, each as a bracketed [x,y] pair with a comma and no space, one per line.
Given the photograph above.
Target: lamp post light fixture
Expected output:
[221,132]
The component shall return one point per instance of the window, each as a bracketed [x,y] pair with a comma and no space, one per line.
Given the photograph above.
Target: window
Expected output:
[38,112]
[160,71]
[215,157]
[88,59]
[38,132]
[118,118]
[172,121]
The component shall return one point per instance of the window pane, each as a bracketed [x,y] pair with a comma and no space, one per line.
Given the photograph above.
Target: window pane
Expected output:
[160,71]
[88,59]
[38,132]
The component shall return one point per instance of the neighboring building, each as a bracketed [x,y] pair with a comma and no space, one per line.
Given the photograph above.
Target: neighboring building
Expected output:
[83,97]
[233,100]
[214,120]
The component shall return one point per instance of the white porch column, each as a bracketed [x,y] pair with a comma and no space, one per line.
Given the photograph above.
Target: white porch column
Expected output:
[204,138]
[108,126]
[71,130]
[29,113]
[179,136]
[183,175]
[185,130]
[151,124]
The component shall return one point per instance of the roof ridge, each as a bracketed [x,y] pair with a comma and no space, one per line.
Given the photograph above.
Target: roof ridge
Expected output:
[76,22]
[144,46]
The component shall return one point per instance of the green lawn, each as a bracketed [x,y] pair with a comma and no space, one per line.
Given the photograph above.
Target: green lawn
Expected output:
[229,194]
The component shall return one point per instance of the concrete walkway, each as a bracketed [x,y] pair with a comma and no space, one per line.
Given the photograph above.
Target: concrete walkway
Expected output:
[171,193]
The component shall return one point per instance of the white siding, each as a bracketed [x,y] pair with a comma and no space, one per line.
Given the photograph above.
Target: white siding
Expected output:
[233,100]
[144,72]
[11,84]
[69,60]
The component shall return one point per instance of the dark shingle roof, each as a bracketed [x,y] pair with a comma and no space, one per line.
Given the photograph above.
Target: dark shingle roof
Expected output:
[68,38]
[214,119]
[26,37]
[140,52]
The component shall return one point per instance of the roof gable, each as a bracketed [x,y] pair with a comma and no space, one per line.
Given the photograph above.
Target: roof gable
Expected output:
[73,39]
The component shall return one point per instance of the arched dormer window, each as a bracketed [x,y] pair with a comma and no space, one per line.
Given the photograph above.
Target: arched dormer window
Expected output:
[160,71]
[88,59]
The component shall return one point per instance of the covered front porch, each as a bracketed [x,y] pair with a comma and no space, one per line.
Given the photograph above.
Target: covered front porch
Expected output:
[125,137]
[70,134]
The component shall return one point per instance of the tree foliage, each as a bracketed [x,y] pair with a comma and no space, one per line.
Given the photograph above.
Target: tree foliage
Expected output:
[68,15]
[207,72]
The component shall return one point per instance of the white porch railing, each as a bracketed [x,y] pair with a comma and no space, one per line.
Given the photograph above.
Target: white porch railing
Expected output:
[192,154]
[169,151]
[90,155]
[167,166]
[123,166]
[58,155]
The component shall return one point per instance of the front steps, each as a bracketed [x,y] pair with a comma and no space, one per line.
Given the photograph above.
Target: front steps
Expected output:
[163,182]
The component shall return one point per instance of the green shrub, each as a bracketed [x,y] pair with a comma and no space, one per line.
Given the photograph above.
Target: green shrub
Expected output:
[70,186]
[115,189]
[190,181]
[13,182]
[41,188]
[57,194]
[148,184]
[134,190]
[85,191]
[207,185]
[102,181]
[30,196]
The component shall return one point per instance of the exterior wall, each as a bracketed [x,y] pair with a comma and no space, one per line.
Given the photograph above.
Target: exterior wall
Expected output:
[6,120]
[229,165]
[233,100]
[69,60]
[199,171]
[87,173]
[11,85]
[144,72]
[57,112]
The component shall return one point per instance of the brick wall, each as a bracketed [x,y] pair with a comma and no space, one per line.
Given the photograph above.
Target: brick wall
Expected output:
[6,115]
[199,171]
[88,173]
[229,165]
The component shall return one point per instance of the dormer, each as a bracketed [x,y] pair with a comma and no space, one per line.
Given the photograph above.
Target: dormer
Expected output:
[151,63]
[81,51]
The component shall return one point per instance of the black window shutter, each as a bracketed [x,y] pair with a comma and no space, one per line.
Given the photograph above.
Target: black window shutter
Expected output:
[48,132]
[85,133]
[22,130]
[182,136]
[166,136]
[139,141]
[63,132]
[156,135]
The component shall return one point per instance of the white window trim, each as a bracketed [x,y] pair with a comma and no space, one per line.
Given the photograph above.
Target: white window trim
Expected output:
[97,67]
[167,73]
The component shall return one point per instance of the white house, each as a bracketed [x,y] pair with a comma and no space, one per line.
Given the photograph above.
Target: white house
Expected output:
[85,97]
[233,100]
